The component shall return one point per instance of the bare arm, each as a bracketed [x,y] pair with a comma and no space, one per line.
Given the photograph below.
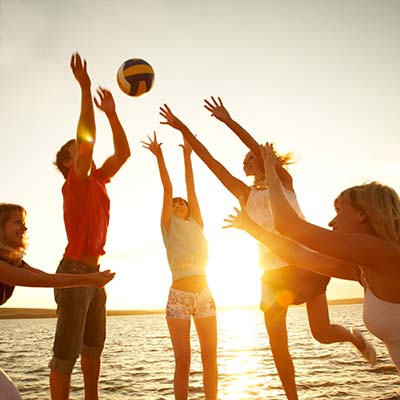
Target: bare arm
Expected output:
[121,146]
[239,189]
[31,277]
[219,111]
[155,148]
[360,249]
[86,131]
[190,188]
[292,252]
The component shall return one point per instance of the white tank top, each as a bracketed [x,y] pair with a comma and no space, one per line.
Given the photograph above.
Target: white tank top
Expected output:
[259,210]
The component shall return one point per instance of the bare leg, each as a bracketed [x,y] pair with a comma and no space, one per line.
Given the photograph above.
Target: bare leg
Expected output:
[275,322]
[91,374]
[207,331]
[59,385]
[322,329]
[179,330]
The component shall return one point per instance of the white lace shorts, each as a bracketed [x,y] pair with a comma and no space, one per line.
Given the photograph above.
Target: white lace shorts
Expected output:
[183,305]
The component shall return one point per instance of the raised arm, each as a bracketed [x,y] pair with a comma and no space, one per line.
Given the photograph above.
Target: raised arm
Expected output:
[189,178]
[239,189]
[357,248]
[155,148]
[121,146]
[292,252]
[86,130]
[219,111]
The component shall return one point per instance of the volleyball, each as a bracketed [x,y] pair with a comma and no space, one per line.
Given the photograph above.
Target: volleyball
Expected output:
[135,77]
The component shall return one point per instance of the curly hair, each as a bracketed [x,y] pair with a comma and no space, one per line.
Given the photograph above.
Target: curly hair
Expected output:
[8,253]
[381,205]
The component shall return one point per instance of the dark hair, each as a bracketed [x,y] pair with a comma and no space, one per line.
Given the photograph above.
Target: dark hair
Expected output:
[62,156]
[187,205]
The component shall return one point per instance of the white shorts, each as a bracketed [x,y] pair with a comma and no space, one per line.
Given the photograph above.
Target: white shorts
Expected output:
[8,391]
[183,305]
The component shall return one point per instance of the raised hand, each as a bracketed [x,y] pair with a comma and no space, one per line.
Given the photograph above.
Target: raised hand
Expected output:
[170,118]
[270,160]
[79,69]
[106,102]
[217,109]
[240,221]
[100,279]
[152,145]
[187,149]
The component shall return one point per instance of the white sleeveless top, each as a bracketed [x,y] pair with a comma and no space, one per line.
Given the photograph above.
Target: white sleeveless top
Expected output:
[259,210]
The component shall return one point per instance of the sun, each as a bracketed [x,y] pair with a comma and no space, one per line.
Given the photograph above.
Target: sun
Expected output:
[233,273]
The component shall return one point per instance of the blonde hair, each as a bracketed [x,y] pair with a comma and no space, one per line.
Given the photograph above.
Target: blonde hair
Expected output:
[10,254]
[381,205]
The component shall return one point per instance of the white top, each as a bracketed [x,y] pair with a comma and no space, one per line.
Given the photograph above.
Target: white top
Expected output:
[259,210]
[187,249]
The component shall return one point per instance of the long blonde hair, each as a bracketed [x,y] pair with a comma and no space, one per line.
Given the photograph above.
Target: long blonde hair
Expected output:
[10,254]
[381,205]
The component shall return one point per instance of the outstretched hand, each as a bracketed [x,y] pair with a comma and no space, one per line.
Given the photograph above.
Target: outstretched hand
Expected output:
[106,103]
[170,118]
[187,149]
[79,69]
[217,109]
[271,161]
[100,279]
[240,221]
[152,145]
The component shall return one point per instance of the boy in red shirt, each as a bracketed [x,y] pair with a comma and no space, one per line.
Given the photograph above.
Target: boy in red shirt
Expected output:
[81,324]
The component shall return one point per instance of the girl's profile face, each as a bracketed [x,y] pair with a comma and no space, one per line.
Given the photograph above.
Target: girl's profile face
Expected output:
[348,218]
[251,165]
[14,230]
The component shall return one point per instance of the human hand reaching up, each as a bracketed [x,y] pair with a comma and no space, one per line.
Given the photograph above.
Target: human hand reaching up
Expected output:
[79,69]
[171,119]
[106,102]
[187,149]
[217,109]
[152,145]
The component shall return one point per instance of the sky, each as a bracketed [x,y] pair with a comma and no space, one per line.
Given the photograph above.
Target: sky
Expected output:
[319,78]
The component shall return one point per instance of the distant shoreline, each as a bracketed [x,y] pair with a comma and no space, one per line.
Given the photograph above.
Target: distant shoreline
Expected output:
[28,313]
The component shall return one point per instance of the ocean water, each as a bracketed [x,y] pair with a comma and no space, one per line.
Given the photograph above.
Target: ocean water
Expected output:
[138,361]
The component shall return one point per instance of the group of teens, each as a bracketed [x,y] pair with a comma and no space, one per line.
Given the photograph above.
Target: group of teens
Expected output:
[297,257]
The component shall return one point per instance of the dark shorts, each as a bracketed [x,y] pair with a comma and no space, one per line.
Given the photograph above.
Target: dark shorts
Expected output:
[81,323]
[291,285]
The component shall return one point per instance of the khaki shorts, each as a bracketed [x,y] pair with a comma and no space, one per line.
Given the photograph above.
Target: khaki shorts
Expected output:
[183,305]
[81,323]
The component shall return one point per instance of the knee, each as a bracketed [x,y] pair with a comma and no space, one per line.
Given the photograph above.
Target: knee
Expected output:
[322,337]
[182,363]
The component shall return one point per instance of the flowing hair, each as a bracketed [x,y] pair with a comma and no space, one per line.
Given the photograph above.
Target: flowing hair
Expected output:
[10,254]
[381,205]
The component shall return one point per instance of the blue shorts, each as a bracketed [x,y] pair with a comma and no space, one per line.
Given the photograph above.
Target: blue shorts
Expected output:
[184,305]
[81,323]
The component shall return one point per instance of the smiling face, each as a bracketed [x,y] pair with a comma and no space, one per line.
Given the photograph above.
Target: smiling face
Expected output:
[252,166]
[14,230]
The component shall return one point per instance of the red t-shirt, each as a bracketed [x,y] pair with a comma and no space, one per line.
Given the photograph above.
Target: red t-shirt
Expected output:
[86,214]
